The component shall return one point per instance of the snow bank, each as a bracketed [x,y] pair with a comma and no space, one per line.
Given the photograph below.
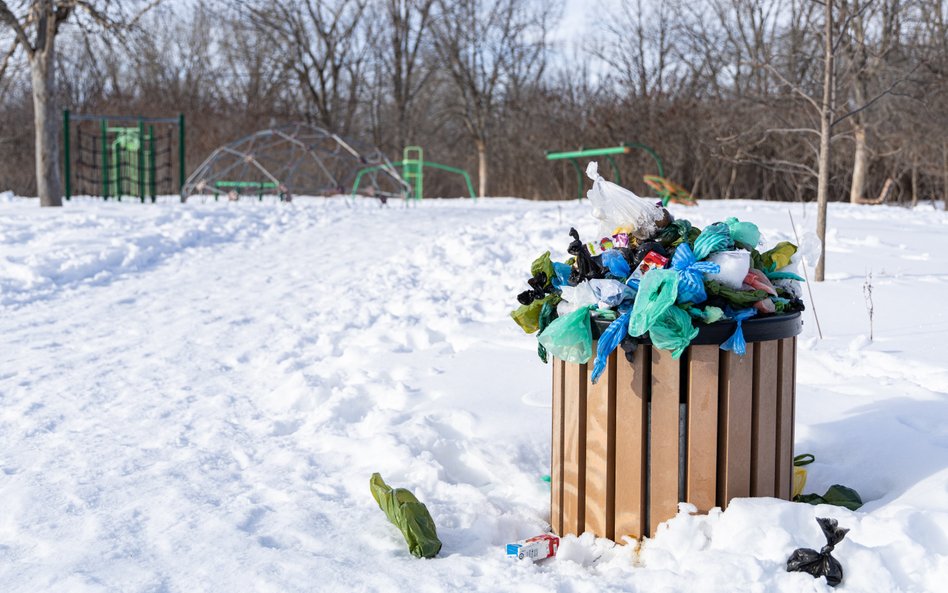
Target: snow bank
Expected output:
[193,397]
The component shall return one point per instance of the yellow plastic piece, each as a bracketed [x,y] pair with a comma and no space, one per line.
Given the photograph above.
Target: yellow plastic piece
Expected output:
[799,481]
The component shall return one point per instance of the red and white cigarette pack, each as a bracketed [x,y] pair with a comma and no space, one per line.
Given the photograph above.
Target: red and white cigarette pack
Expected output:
[535,548]
[651,261]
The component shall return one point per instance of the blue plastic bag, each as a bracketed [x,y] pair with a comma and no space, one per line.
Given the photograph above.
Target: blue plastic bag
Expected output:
[691,274]
[561,274]
[736,343]
[615,262]
[610,292]
[608,342]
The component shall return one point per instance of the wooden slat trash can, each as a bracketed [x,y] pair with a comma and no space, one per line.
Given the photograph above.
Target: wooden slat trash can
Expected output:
[703,429]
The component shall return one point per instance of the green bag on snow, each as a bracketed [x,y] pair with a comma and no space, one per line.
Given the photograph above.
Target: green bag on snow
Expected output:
[410,516]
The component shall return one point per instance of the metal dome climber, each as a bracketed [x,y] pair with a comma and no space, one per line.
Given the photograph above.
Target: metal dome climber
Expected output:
[294,160]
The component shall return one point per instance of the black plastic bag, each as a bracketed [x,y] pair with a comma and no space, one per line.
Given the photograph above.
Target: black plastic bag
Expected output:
[822,563]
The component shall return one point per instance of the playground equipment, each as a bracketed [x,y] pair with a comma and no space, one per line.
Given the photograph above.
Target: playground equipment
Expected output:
[116,161]
[413,164]
[294,159]
[667,190]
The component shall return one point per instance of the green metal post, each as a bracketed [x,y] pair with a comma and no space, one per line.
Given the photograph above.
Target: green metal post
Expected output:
[141,160]
[615,170]
[66,153]
[151,165]
[180,152]
[105,159]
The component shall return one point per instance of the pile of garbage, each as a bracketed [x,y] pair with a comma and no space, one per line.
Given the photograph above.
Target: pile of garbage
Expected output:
[653,276]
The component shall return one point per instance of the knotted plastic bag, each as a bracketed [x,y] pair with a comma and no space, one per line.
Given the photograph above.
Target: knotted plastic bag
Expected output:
[822,563]
[576,297]
[778,256]
[673,332]
[611,293]
[620,210]
[616,263]
[745,233]
[528,316]
[691,275]
[608,341]
[657,292]
[410,516]
[569,337]
[714,237]
[736,343]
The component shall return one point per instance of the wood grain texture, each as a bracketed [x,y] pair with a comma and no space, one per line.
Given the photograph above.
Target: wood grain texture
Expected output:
[574,448]
[785,380]
[664,439]
[764,423]
[736,376]
[632,386]
[702,465]
[600,451]
[556,462]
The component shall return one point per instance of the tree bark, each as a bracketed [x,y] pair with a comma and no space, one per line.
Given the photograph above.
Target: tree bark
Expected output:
[857,191]
[826,114]
[46,126]
[481,167]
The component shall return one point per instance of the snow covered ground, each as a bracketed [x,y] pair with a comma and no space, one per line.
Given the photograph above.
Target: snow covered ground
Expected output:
[193,398]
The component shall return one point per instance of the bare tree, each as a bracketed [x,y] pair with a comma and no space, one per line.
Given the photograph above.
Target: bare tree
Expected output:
[401,52]
[490,48]
[326,48]
[36,24]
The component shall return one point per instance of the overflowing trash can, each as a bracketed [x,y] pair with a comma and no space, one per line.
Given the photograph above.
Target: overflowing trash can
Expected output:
[705,428]
[673,351]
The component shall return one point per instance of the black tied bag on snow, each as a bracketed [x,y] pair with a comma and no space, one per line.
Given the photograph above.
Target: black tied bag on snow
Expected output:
[821,563]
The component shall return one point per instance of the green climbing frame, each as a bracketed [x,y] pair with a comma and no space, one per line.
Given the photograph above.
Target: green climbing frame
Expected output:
[608,152]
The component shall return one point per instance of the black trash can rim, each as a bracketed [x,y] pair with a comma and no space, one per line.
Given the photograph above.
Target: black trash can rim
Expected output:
[774,327]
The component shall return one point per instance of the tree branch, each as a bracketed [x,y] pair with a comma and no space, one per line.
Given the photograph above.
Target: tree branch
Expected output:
[10,19]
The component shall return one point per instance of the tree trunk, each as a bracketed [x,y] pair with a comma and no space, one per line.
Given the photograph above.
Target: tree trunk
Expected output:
[46,125]
[914,183]
[857,191]
[481,167]
[944,174]
[826,114]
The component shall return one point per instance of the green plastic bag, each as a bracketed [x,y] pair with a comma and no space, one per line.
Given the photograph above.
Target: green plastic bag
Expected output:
[837,494]
[657,292]
[547,315]
[410,516]
[741,298]
[569,337]
[709,314]
[528,316]
[745,233]
[673,331]
[543,264]
[777,257]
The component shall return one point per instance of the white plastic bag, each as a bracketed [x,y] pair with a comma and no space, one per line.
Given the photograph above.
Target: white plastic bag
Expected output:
[734,267]
[620,210]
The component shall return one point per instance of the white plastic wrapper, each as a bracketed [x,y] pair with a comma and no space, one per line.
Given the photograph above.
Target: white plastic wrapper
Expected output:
[575,297]
[620,210]
[734,267]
